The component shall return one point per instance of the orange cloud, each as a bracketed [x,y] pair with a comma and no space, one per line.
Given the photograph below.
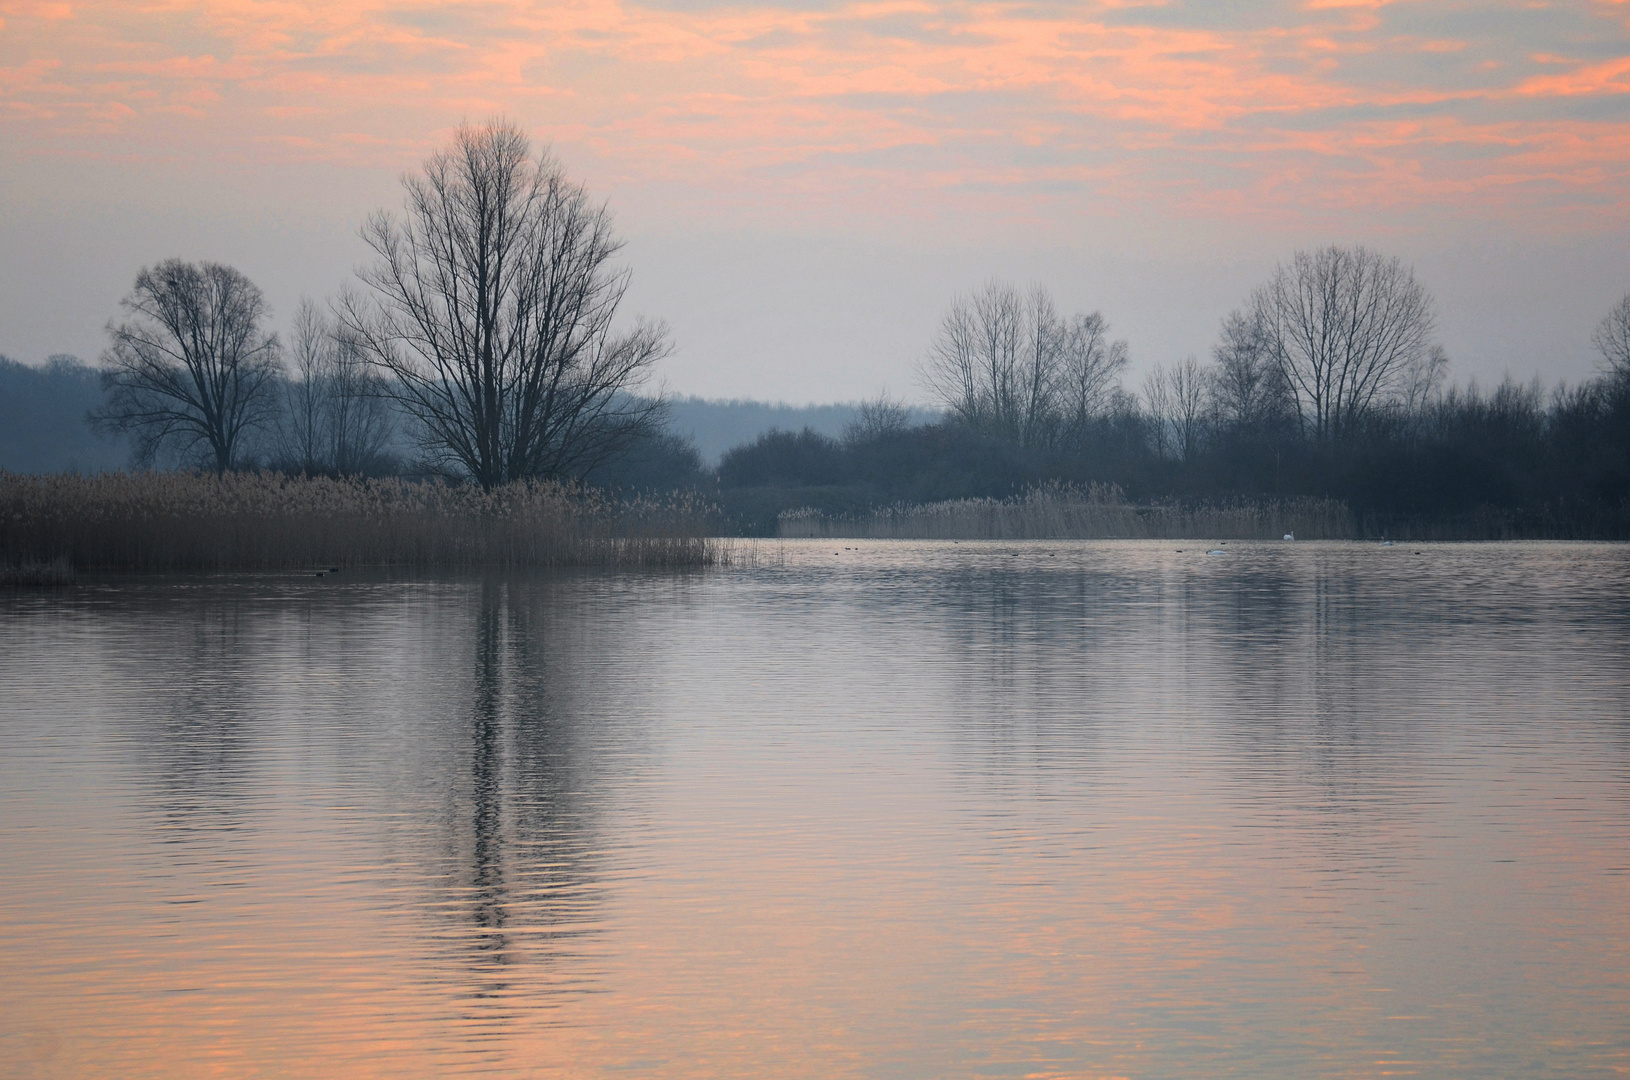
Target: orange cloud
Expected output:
[1332,102]
[1612,77]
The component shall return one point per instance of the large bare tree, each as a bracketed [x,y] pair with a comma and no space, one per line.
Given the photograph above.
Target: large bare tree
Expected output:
[491,314]
[190,369]
[1344,326]
[1006,363]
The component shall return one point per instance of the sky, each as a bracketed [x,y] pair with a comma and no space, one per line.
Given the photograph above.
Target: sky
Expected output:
[805,186]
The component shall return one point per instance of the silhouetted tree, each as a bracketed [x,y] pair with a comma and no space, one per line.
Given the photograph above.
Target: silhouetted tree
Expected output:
[1248,390]
[986,366]
[335,418]
[493,300]
[300,434]
[1088,370]
[1423,380]
[360,422]
[190,369]
[1178,399]
[880,418]
[1006,364]
[1343,325]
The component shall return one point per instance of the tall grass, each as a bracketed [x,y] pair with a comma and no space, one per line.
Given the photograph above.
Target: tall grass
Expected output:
[1057,511]
[251,521]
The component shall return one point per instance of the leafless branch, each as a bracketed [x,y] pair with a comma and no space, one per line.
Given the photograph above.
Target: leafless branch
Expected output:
[190,369]
[491,315]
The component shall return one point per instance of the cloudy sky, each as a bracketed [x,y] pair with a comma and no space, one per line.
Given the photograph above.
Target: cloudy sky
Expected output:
[804,185]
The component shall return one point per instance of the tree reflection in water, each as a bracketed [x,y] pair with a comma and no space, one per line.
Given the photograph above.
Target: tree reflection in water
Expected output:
[520,878]
[1095,809]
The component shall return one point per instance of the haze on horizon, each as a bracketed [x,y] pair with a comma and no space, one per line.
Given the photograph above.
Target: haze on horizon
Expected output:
[805,186]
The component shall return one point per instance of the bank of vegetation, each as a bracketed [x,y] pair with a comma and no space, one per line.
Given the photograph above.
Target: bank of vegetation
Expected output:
[475,393]
[53,526]
[1325,402]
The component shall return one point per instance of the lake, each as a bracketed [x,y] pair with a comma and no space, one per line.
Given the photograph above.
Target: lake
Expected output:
[844,809]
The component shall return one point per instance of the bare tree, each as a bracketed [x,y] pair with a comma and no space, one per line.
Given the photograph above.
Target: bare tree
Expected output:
[880,418]
[1247,388]
[1157,398]
[982,365]
[1423,380]
[360,423]
[1178,398]
[190,369]
[1089,371]
[335,417]
[492,307]
[301,434]
[1343,326]
[1006,363]
[1612,338]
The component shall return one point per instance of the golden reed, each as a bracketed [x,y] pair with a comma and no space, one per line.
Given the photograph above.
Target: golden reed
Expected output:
[267,521]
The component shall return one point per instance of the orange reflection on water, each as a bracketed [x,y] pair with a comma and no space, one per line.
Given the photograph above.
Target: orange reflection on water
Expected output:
[571,827]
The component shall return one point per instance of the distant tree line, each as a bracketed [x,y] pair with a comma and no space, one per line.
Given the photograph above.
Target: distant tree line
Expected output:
[482,344]
[1326,382]
[42,418]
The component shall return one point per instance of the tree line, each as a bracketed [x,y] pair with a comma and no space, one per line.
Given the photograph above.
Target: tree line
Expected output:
[1327,381]
[482,343]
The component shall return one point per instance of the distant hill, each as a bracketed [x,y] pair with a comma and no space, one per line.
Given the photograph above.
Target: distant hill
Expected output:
[42,419]
[716,425]
[43,427]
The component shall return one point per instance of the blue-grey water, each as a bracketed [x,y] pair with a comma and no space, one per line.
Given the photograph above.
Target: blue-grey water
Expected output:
[848,809]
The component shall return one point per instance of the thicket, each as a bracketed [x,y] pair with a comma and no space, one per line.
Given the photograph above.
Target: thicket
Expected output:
[1325,385]
[1464,463]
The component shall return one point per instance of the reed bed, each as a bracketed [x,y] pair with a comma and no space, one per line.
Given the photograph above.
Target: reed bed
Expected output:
[254,521]
[1059,511]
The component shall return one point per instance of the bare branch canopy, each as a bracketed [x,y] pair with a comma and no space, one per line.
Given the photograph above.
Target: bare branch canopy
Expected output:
[190,369]
[1344,327]
[491,313]
[1007,364]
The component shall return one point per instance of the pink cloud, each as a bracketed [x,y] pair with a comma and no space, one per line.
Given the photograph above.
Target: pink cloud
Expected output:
[909,95]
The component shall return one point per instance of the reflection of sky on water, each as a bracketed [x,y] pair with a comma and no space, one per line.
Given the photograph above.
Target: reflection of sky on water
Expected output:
[892,811]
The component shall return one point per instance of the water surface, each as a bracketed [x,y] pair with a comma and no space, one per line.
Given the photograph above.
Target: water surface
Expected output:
[864,809]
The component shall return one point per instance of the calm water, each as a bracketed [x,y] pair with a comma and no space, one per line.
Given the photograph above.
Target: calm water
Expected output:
[874,810]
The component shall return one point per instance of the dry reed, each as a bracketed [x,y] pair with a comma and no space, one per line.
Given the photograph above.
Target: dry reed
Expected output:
[252,521]
[1057,511]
